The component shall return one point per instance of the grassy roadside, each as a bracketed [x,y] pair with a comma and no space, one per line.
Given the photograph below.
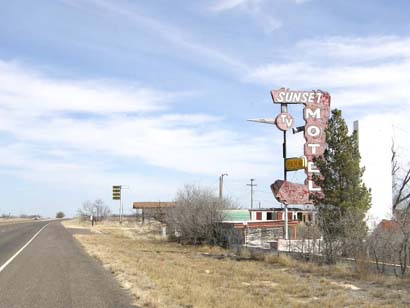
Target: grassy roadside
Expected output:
[5,221]
[163,274]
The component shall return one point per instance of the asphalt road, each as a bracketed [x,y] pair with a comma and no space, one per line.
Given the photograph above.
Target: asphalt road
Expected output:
[53,271]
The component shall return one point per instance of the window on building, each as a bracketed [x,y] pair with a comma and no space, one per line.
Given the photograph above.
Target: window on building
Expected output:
[269,216]
[258,215]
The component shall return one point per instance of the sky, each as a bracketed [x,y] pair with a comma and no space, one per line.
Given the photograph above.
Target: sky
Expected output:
[156,94]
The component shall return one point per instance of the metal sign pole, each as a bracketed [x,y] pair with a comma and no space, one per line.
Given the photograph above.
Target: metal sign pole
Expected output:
[120,211]
[284,108]
[121,203]
[116,195]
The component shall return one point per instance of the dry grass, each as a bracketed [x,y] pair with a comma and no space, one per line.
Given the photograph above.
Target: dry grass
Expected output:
[14,220]
[163,274]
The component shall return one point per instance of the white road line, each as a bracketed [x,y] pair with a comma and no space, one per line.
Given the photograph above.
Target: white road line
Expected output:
[21,249]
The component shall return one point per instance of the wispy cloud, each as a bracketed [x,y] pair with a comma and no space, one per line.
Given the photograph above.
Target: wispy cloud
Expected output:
[357,49]
[177,37]
[254,8]
[22,88]
[34,112]
[358,71]
[223,5]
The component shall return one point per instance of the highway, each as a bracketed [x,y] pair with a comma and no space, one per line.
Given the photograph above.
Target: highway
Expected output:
[52,270]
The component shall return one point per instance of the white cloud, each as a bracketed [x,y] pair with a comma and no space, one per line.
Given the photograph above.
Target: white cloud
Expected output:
[357,71]
[357,49]
[47,117]
[24,89]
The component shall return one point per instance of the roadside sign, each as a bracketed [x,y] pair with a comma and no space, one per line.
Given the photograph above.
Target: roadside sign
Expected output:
[286,96]
[295,163]
[116,192]
[284,121]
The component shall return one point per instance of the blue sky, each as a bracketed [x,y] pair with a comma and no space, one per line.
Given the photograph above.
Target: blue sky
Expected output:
[155,94]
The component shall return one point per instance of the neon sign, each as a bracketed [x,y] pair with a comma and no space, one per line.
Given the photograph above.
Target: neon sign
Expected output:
[316,115]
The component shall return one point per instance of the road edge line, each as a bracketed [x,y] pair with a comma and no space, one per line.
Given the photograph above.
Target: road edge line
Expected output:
[21,249]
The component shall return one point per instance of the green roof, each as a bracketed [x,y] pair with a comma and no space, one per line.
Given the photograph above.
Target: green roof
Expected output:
[236,215]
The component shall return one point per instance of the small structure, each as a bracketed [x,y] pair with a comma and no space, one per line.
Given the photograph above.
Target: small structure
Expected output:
[236,216]
[262,227]
[156,210]
[302,214]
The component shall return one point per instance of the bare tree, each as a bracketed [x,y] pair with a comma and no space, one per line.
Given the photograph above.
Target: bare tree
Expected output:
[401,181]
[309,242]
[390,241]
[197,216]
[382,246]
[402,238]
[102,211]
[343,234]
[98,209]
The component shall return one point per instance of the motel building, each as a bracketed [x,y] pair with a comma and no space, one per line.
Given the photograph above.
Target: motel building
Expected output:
[264,226]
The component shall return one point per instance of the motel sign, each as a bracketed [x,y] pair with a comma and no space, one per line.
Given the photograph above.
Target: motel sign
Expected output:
[316,114]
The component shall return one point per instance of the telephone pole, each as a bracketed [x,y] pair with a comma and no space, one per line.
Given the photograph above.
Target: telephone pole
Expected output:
[252,186]
[221,185]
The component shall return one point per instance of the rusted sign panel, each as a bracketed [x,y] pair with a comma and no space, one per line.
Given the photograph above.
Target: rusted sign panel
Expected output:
[316,114]
[290,193]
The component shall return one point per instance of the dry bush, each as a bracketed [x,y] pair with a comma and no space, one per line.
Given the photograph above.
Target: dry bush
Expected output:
[344,233]
[390,243]
[197,216]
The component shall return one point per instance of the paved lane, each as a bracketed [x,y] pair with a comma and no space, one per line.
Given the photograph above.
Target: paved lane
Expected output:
[54,271]
[14,236]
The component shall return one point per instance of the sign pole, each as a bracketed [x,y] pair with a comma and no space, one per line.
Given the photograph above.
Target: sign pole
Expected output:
[116,195]
[284,108]
[120,211]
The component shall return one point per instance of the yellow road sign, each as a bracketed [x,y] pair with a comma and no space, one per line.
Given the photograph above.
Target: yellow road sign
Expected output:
[295,163]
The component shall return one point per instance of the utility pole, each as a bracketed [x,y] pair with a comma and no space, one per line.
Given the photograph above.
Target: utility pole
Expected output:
[252,186]
[221,185]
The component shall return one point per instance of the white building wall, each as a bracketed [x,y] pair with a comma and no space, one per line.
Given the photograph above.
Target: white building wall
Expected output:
[375,140]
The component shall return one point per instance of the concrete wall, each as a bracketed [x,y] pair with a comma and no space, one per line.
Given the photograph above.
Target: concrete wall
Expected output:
[305,246]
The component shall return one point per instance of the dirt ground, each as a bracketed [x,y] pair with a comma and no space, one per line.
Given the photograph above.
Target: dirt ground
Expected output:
[163,274]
